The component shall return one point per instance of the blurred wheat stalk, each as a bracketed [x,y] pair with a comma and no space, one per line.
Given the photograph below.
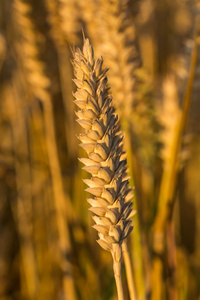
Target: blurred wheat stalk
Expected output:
[47,244]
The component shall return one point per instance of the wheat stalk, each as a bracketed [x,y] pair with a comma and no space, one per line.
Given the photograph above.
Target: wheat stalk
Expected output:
[174,132]
[22,208]
[39,85]
[103,142]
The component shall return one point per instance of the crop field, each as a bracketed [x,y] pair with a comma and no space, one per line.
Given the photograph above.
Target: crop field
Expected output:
[99,150]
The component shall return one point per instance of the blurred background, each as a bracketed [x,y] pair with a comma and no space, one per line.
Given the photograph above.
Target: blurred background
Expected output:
[48,249]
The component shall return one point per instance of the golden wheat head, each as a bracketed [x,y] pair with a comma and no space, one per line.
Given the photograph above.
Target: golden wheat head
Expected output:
[103,142]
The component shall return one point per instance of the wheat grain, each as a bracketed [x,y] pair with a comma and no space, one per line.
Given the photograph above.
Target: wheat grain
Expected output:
[103,142]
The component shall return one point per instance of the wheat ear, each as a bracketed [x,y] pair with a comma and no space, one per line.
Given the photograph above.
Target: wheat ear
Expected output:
[119,48]
[103,142]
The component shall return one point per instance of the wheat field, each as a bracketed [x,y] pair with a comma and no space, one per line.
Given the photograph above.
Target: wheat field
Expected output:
[142,69]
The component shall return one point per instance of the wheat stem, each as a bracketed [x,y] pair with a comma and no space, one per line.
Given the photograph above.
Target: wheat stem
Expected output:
[118,279]
[129,271]
[64,237]
[23,210]
[140,274]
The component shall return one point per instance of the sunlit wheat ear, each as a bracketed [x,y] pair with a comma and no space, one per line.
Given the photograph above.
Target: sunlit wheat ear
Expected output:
[103,142]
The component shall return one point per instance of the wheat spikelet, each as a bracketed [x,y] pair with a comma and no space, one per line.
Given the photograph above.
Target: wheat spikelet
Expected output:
[103,142]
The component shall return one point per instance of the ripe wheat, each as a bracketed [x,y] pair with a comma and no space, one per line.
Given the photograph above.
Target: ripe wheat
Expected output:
[103,142]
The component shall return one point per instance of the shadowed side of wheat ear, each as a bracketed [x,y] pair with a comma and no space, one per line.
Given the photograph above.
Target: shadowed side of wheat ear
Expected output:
[106,162]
